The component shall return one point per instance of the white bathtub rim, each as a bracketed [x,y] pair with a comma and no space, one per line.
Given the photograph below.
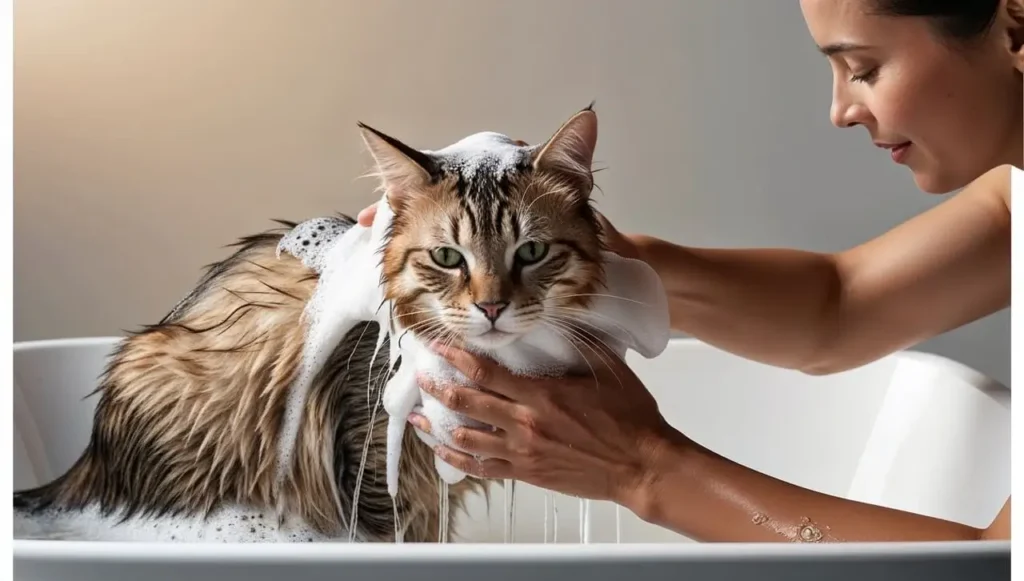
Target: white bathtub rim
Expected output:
[956,367]
[307,553]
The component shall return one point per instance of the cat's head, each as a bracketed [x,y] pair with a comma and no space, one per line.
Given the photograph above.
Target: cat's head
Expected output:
[491,237]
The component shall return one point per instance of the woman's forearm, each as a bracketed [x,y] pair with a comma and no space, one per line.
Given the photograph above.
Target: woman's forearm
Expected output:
[711,499]
[768,305]
[823,313]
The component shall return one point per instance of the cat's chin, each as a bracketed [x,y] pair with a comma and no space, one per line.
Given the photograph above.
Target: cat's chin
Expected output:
[492,339]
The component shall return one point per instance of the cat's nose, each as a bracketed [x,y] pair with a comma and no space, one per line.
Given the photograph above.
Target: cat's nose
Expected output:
[491,310]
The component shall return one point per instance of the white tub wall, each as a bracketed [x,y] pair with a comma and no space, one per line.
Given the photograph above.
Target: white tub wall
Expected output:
[952,461]
[51,382]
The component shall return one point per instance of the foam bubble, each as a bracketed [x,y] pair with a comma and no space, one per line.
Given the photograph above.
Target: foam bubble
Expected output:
[311,240]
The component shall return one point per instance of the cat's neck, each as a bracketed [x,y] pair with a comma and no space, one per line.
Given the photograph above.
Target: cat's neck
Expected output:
[546,352]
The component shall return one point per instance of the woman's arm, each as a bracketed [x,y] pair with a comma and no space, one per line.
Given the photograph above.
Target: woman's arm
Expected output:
[612,443]
[822,313]
[707,497]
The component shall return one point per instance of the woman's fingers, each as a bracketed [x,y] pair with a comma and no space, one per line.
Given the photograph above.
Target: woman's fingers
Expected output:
[481,442]
[487,374]
[474,403]
[489,468]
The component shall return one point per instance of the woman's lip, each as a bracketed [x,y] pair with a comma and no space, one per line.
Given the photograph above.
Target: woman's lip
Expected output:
[898,151]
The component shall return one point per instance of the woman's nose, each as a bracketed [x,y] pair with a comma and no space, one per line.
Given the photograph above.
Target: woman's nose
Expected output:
[845,113]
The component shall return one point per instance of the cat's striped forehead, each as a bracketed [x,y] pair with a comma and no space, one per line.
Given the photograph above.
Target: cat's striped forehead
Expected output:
[483,167]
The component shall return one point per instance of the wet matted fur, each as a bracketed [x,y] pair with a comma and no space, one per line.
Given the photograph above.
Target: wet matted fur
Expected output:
[190,411]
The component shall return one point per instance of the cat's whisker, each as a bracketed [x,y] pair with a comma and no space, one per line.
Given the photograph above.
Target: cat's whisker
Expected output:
[599,295]
[569,337]
[574,310]
[419,312]
[593,342]
[583,328]
[414,328]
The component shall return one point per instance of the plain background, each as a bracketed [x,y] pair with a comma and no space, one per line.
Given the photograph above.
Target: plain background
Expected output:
[150,134]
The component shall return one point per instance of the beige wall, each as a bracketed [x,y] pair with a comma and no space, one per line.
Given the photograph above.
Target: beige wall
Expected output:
[150,133]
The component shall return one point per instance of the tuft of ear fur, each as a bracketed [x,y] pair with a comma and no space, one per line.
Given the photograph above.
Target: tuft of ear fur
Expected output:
[569,153]
[402,170]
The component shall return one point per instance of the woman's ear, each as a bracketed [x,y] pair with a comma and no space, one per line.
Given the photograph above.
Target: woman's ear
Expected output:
[1012,13]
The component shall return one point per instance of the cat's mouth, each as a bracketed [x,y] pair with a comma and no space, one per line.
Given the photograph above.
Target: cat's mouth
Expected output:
[493,338]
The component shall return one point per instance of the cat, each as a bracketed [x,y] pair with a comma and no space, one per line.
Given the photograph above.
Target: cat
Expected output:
[186,432]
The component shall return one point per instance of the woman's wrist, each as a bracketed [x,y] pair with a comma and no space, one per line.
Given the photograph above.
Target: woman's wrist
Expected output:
[663,458]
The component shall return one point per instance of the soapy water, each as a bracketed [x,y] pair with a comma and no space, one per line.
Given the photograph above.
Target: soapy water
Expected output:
[228,524]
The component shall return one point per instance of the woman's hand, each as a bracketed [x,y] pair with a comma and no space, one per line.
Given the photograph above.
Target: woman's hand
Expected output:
[594,436]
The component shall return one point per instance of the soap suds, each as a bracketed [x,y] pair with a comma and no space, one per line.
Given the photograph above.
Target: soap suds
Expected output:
[229,524]
[486,152]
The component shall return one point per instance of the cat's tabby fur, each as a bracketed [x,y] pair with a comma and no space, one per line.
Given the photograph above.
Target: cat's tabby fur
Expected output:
[190,409]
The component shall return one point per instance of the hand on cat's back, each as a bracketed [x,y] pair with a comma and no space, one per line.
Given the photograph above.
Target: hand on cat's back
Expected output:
[594,436]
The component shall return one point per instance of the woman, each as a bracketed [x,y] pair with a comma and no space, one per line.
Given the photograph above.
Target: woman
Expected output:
[939,83]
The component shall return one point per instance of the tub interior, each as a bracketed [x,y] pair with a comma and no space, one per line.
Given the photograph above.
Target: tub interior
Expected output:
[913,431]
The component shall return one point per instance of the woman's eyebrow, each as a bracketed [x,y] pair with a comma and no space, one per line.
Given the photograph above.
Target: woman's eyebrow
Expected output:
[840,47]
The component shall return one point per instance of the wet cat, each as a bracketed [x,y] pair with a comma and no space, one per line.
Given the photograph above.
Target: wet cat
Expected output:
[192,412]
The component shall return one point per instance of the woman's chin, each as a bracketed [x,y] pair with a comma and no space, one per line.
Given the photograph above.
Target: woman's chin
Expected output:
[935,181]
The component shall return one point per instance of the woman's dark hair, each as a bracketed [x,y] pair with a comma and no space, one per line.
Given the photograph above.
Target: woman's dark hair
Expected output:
[958,19]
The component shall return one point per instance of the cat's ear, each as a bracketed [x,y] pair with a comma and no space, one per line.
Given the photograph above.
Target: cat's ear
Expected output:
[570,151]
[402,170]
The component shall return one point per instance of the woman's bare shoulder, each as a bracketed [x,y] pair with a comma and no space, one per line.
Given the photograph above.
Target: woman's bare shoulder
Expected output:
[993,186]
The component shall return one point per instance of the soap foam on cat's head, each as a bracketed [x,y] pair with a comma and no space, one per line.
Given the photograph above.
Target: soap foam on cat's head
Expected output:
[487,151]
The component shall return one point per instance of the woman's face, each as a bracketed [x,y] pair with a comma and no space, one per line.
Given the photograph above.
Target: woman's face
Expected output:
[946,110]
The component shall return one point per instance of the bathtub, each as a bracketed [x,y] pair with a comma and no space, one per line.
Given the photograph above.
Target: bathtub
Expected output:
[913,431]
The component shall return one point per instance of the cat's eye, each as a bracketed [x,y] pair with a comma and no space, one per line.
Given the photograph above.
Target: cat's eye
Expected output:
[532,252]
[446,257]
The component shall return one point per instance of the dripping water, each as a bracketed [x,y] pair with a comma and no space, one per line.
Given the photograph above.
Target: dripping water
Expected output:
[586,521]
[444,513]
[399,531]
[440,510]
[382,377]
[547,511]
[510,510]
[618,524]
[583,520]
[554,520]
